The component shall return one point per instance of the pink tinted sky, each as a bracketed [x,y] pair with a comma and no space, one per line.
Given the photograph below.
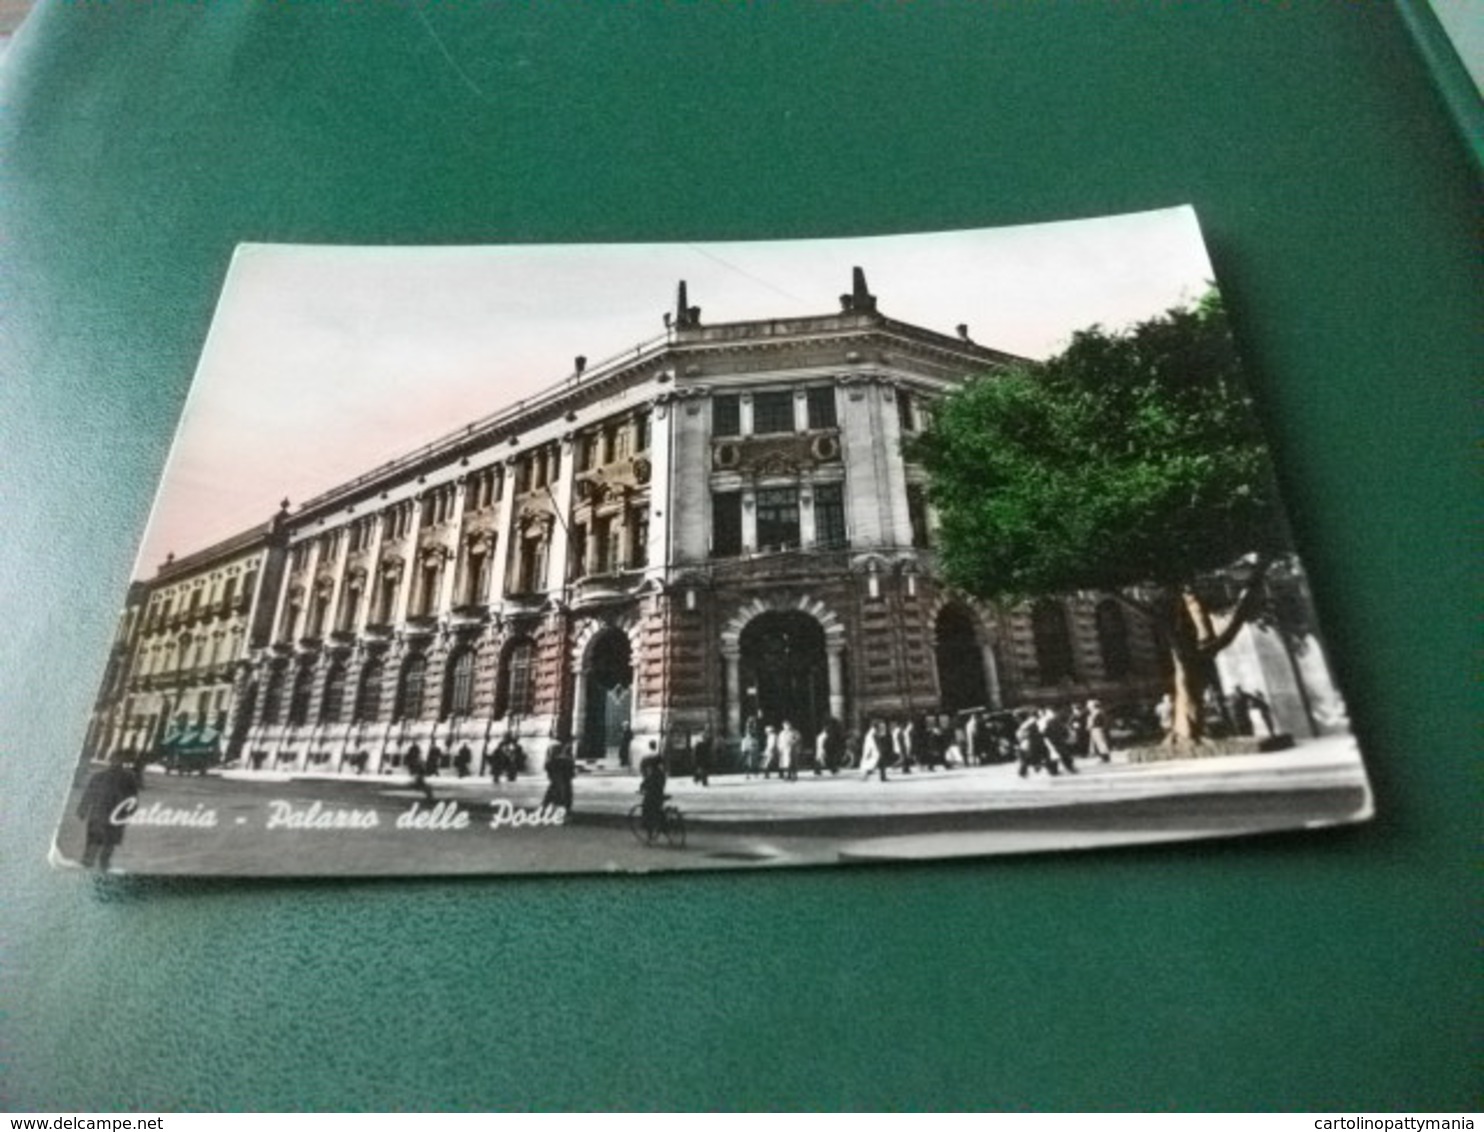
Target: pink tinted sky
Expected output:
[323,362]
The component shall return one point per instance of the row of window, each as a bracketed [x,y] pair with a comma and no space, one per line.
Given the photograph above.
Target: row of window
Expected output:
[778,525]
[515,689]
[199,600]
[773,412]
[615,440]
[189,652]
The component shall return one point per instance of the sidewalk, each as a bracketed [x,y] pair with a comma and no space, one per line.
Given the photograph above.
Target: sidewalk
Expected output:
[1319,764]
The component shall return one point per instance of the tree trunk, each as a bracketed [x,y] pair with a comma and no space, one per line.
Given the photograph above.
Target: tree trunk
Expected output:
[1187,723]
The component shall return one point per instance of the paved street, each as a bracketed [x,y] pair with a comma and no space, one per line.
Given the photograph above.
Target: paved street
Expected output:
[282,824]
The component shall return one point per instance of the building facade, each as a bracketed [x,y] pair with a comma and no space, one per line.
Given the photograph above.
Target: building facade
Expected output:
[717,525]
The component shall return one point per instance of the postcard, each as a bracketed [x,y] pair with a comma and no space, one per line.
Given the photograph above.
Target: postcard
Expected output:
[533,559]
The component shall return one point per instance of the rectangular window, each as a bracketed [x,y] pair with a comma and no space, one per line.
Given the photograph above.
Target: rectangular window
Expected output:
[578,544]
[641,432]
[829,516]
[905,417]
[606,545]
[726,415]
[726,524]
[778,518]
[822,407]
[639,534]
[917,515]
[772,412]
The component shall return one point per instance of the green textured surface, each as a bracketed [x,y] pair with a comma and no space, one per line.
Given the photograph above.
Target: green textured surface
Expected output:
[1330,971]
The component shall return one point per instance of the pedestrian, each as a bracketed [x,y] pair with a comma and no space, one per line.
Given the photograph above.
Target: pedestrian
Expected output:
[954,755]
[876,750]
[790,744]
[701,753]
[1054,734]
[561,770]
[1261,715]
[625,745]
[415,767]
[511,757]
[751,748]
[652,782]
[1031,744]
[461,761]
[1240,711]
[1164,711]
[1097,731]
[835,753]
[770,751]
[1077,731]
[973,740]
[901,746]
[99,807]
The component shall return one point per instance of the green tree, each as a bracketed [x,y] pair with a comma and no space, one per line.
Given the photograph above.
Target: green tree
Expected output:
[1130,463]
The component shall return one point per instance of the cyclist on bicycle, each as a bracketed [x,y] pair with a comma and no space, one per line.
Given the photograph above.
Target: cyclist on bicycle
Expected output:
[652,782]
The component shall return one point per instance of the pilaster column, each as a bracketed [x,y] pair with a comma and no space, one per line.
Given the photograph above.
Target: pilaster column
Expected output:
[279,631]
[504,539]
[749,519]
[807,535]
[835,661]
[662,425]
[371,589]
[732,662]
[991,676]
[558,563]
[342,556]
[456,583]
[892,481]
[410,564]
[311,586]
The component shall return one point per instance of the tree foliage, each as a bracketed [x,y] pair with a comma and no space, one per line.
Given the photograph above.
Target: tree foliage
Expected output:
[1131,462]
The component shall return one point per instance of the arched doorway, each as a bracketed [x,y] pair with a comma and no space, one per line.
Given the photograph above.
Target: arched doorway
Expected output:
[962,682]
[608,695]
[785,674]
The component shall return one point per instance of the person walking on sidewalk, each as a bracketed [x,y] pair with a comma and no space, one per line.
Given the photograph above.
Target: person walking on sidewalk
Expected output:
[789,741]
[701,754]
[876,750]
[770,751]
[561,769]
[1098,745]
[750,747]
[419,771]
[1030,743]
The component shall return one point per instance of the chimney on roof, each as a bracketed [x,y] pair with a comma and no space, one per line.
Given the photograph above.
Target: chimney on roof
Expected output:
[859,299]
[579,363]
[963,331]
[686,315]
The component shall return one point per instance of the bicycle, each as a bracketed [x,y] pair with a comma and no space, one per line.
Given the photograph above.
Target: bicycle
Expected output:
[671,826]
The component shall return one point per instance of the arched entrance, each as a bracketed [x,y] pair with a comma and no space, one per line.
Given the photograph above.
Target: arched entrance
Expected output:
[784,670]
[608,695]
[962,682]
